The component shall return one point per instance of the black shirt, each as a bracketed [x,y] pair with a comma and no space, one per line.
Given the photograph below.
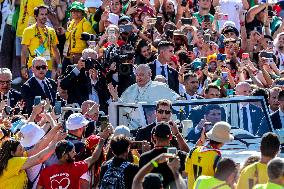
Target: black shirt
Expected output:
[129,172]
[163,169]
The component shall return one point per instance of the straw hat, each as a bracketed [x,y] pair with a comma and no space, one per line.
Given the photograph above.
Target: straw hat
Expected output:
[220,132]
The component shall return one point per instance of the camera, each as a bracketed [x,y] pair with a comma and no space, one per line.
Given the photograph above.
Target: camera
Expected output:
[91,63]
[118,55]
[88,37]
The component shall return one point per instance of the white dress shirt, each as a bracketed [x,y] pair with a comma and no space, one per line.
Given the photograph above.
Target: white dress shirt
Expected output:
[159,69]
[248,116]
[94,95]
[281,115]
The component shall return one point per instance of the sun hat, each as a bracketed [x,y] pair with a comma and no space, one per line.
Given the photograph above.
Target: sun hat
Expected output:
[77,6]
[31,134]
[121,130]
[220,132]
[76,121]
[93,3]
[113,18]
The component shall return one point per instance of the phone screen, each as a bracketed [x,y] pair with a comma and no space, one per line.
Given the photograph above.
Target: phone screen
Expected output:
[172,150]
[37,100]
[104,122]
[57,107]
[136,145]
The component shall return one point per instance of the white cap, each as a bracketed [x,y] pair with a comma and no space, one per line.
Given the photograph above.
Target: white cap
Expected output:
[93,3]
[76,121]
[31,134]
[229,23]
[122,130]
[113,18]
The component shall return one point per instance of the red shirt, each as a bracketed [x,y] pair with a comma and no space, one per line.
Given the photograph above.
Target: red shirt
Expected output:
[67,175]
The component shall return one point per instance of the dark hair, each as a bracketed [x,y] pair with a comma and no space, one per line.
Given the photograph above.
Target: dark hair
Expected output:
[142,43]
[36,9]
[63,147]
[275,169]
[119,144]
[268,37]
[7,147]
[225,168]
[281,95]
[164,44]
[261,92]
[213,86]
[269,145]
[164,102]
[189,75]
[214,143]
[210,107]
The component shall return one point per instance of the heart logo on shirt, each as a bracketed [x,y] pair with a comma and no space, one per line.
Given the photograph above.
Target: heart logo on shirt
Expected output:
[62,184]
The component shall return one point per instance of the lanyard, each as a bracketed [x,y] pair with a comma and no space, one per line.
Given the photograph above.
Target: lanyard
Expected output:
[39,36]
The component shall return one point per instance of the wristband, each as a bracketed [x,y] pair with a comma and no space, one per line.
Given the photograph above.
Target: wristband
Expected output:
[59,66]
[242,23]
[154,163]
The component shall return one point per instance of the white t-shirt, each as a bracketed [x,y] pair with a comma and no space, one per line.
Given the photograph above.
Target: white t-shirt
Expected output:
[232,8]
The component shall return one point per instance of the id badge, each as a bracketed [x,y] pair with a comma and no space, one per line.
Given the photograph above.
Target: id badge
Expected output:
[66,48]
[46,55]
[40,50]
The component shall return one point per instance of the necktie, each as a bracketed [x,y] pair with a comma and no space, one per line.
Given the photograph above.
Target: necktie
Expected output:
[46,91]
[163,73]
[245,118]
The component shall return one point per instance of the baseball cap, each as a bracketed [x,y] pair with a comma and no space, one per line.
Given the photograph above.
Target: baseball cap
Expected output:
[121,130]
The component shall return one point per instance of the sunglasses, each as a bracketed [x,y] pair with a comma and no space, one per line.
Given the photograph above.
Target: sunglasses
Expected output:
[44,67]
[164,111]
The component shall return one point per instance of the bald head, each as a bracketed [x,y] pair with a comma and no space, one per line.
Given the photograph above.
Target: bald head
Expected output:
[143,75]
[243,89]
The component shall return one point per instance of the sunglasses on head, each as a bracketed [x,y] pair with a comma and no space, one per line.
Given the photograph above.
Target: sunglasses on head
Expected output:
[44,67]
[164,111]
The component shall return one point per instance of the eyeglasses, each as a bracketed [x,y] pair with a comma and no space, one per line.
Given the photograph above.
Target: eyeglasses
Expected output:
[164,111]
[44,67]
[5,82]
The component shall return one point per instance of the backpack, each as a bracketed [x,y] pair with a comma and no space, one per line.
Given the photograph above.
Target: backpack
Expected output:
[114,176]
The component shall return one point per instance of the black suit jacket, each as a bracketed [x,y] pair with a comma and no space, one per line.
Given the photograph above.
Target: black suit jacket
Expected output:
[275,119]
[256,115]
[14,97]
[32,88]
[103,93]
[145,133]
[77,86]
[172,76]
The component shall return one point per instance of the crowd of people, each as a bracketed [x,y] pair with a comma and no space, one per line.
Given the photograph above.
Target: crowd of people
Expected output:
[65,62]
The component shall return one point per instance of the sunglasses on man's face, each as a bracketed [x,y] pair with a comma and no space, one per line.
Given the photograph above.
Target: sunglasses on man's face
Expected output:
[44,67]
[164,111]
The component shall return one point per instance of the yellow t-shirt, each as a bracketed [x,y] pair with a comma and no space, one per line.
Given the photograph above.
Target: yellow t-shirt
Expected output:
[26,15]
[73,36]
[13,177]
[269,185]
[253,174]
[34,36]
[208,182]
[201,160]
